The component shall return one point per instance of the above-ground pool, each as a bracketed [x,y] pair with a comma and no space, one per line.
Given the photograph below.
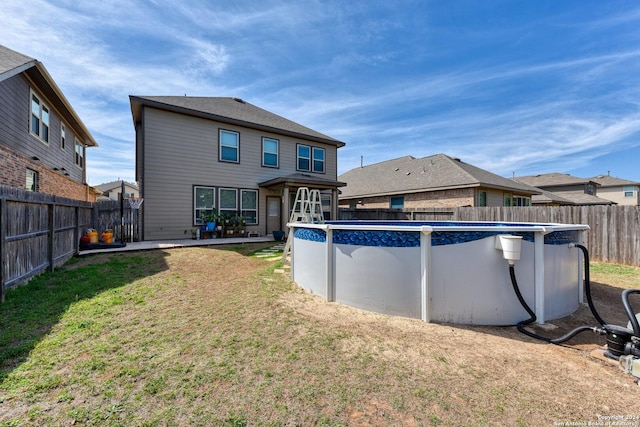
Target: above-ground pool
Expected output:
[440,271]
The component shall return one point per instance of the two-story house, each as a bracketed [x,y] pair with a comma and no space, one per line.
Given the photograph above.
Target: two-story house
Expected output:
[618,190]
[43,142]
[112,190]
[564,189]
[194,154]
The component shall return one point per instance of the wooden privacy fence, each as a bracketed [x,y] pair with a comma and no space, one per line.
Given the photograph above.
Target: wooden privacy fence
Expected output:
[40,232]
[614,234]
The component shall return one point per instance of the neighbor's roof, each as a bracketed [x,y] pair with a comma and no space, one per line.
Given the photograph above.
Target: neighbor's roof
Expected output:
[411,175]
[13,63]
[115,185]
[552,180]
[581,198]
[548,197]
[612,181]
[229,110]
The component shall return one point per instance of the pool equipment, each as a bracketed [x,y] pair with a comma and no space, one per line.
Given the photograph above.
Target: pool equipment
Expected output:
[623,343]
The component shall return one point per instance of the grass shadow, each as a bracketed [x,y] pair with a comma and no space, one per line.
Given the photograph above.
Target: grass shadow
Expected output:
[32,310]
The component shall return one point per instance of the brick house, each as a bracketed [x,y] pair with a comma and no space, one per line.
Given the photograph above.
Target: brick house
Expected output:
[42,140]
[437,181]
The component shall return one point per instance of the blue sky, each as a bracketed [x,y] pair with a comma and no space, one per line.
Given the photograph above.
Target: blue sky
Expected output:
[515,87]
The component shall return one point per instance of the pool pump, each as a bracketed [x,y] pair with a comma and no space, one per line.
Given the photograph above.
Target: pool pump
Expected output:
[623,343]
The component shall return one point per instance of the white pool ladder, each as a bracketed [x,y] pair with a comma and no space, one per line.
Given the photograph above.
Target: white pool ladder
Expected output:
[307,207]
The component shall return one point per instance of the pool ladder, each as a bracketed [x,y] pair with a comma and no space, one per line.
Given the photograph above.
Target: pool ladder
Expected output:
[306,208]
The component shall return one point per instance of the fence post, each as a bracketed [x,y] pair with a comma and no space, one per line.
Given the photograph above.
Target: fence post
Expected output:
[51,235]
[3,245]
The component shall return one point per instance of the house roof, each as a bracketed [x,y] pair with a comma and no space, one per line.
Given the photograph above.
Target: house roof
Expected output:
[548,197]
[554,179]
[433,173]
[13,63]
[229,110]
[612,181]
[303,179]
[107,186]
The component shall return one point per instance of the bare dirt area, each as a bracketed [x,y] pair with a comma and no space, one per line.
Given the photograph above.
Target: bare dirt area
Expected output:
[484,375]
[205,336]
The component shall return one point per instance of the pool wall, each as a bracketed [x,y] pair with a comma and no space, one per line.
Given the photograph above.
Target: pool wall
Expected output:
[443,272]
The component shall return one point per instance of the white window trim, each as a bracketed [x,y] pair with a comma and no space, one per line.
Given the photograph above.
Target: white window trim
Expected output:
[41,124]
[77,143]
[63,136]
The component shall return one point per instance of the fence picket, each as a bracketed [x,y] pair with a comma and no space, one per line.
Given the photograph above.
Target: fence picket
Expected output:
[614,234]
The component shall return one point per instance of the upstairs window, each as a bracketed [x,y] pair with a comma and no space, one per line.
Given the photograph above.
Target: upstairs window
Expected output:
[270,152]
[39,119]
[318,159]
[229,146]
[63,136]
[304,158]
[628,190]
[79,154]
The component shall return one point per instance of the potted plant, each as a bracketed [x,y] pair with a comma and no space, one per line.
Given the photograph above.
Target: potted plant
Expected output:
[210,218]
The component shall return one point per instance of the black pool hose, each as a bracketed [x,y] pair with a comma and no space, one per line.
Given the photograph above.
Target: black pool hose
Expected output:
[587,286]
[533,317]
[627,307]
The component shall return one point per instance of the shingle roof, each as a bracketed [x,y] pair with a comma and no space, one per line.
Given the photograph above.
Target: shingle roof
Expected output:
[12,62]
[114,184]
[409,174]
[551,180]
[548,197]
[229,110]
[612,181]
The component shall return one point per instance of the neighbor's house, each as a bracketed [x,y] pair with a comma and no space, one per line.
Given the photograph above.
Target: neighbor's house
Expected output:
[578,191]
[42,140]
[437,181]
[112,190]
[620,191]
[194,154]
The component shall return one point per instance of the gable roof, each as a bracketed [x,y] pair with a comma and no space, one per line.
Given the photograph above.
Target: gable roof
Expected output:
[612,181]
[553,179]
[115,185]
[13,63]
[229,110]
[548,197]
[433,173]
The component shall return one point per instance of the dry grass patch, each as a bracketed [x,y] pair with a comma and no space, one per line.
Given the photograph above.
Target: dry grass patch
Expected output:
[211,336]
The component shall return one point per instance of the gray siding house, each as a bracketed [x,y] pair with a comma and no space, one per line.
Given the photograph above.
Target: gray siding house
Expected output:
[564,189]
[42,140]
[194,154]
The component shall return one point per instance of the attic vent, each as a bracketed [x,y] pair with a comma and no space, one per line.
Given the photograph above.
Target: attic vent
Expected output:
[457,159]
[397,169]
[408,173]
[240,100]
